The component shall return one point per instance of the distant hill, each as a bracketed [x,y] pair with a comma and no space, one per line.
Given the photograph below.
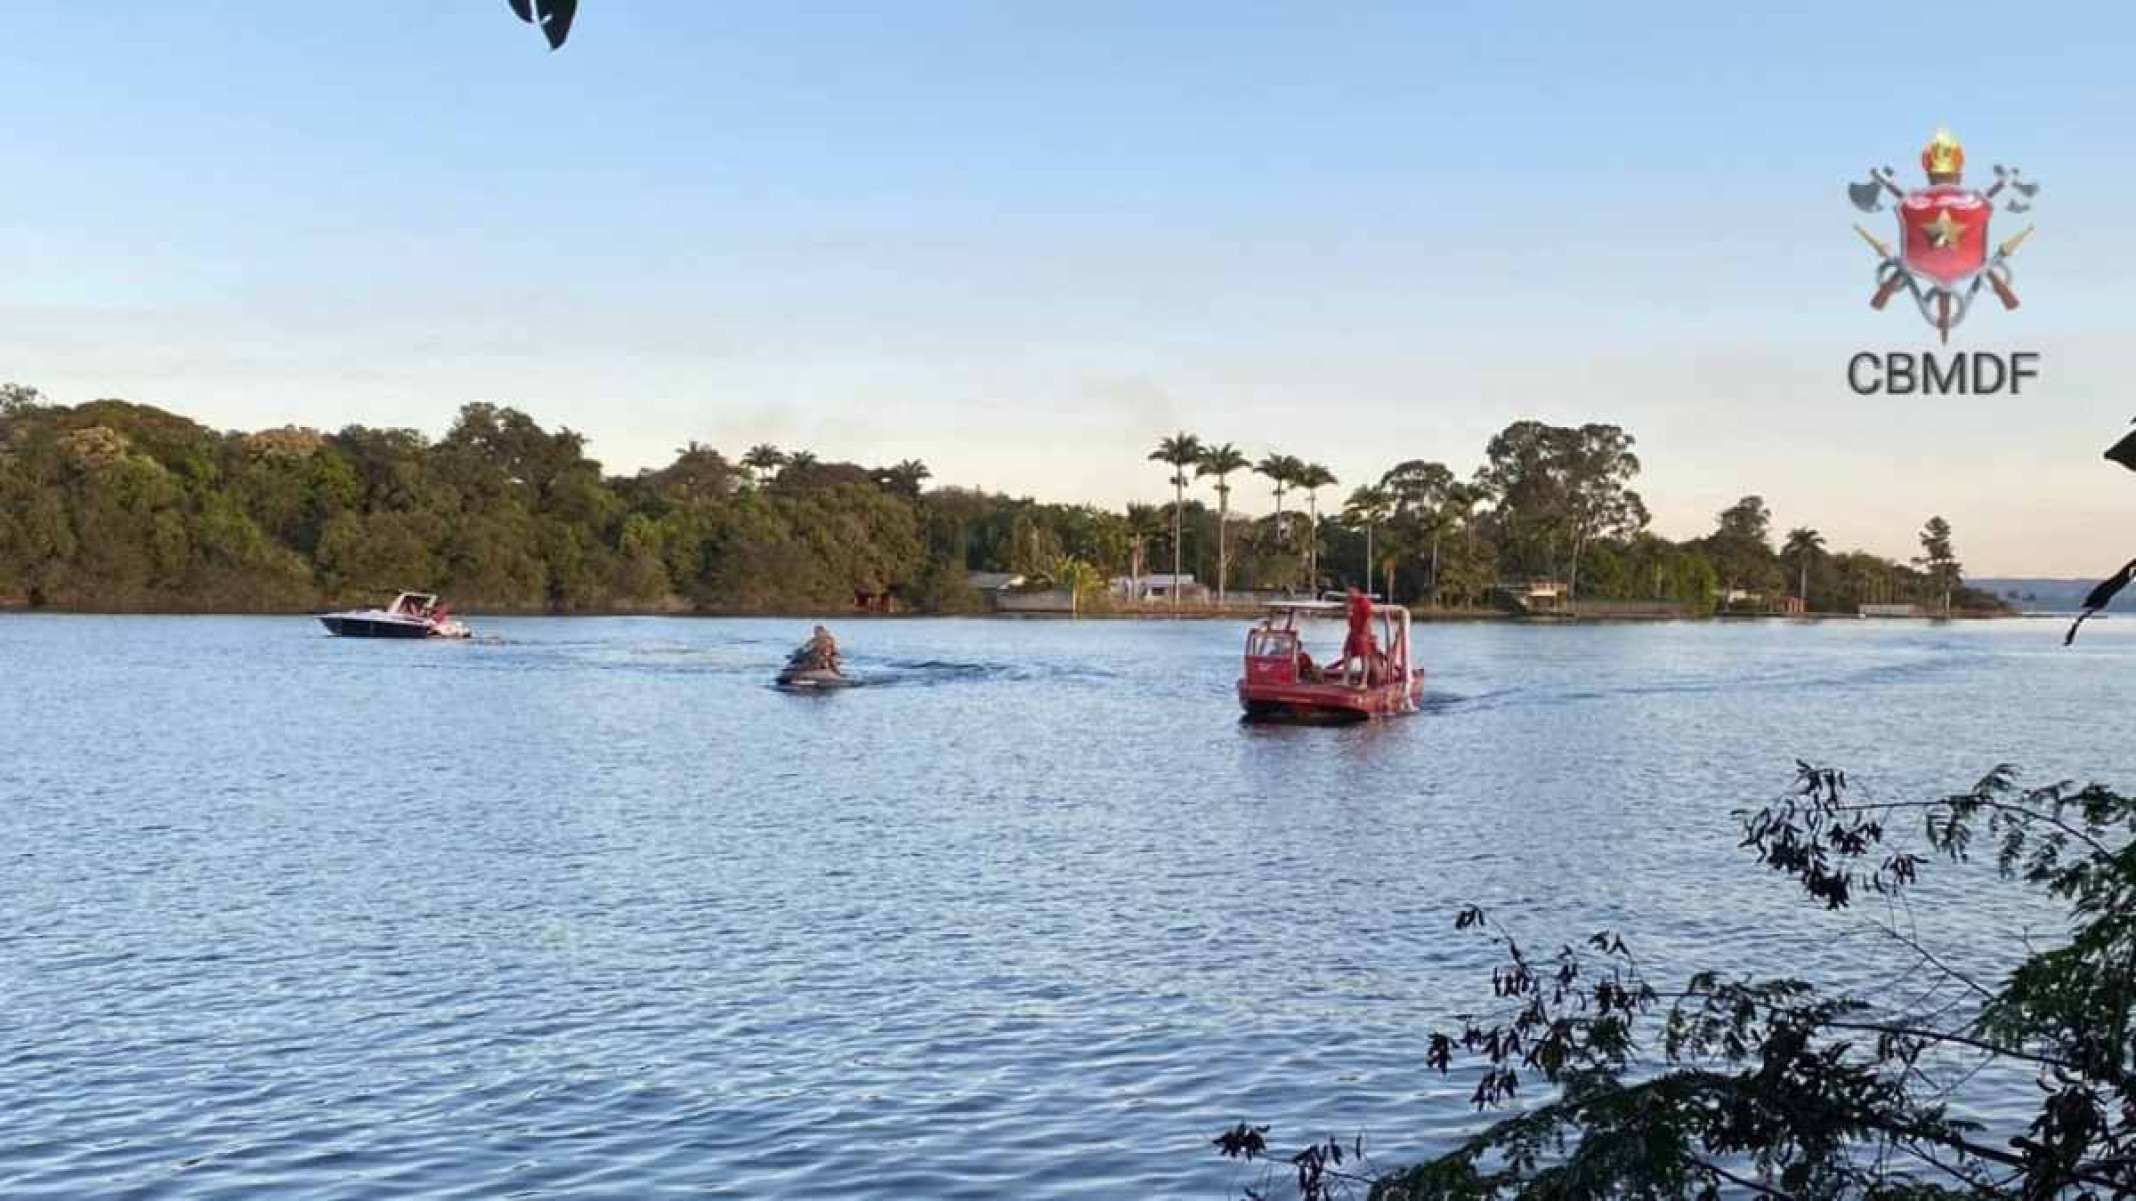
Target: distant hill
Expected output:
[2050,596]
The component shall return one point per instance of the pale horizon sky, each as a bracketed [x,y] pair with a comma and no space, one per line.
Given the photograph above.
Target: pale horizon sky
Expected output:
[1023,242]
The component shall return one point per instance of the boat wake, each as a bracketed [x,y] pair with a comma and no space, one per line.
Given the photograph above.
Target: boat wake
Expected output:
[1434,701]
[937,673]
[933,673]
[1783,679]
[926,673]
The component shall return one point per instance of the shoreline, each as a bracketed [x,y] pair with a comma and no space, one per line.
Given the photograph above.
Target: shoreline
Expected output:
[1184,613]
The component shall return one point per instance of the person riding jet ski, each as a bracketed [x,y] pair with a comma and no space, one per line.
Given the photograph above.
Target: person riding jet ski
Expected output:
[814,663]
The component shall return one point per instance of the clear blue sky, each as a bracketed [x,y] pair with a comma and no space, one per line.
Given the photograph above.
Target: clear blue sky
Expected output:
[1021,241]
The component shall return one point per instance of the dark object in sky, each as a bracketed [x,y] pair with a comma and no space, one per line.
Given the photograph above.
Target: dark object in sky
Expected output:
[2099,597]
[2124,451]
[552,16]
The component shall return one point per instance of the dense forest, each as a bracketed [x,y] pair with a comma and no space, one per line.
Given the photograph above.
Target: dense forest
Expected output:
[111,505]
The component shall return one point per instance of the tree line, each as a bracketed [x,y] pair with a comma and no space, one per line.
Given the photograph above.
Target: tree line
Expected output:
[1548,503]
[119,506]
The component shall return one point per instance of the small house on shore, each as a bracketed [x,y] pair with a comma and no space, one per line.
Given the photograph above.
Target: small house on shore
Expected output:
[1159,588]
[992,586]
[1532,596]
[1033,600]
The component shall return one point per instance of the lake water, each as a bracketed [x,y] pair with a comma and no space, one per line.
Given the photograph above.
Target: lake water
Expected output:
[591,911]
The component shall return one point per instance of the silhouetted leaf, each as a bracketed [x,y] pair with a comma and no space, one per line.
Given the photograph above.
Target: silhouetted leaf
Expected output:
[2124,451]
[2101,596]
[552,17]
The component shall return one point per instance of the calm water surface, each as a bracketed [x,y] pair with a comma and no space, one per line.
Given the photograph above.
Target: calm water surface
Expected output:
[590,911]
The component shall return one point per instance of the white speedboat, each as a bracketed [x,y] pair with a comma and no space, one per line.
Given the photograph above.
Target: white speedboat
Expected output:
[411,615]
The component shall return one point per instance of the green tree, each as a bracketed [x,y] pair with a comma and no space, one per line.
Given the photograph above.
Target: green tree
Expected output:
[1741,546]
[1145,523]
[1558,488]
[641,562]
[1476,564]
[1944,570]
[18,400]
[701,475]
[1864,578]
[1034,544]
[1525,490]
[1424,494]
[1367,508]
[1599,500]
[1079,579]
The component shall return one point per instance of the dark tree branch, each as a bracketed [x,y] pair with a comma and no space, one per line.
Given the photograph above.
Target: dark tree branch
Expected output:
[1708,1165]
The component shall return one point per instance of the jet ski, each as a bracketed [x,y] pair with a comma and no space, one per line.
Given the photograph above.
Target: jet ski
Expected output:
[814,665]
[802,676]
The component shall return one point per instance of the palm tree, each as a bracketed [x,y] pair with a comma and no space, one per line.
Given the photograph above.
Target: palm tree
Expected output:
[1460,509]
[1436,523]
[1144,522]
[1180,450]
[1281,471]
[1368,507]
[1312,477]
[907,477]
[1802,545]
[1221,461]
[762,460]
[1278,469]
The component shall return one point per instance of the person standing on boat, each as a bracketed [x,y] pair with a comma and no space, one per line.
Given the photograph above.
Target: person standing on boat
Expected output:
[1359,646]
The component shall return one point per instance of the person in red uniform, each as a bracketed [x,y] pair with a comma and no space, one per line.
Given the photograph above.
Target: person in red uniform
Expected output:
[1359,645]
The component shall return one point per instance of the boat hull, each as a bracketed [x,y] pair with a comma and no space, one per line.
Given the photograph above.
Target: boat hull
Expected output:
[351,626]
[1328,702]
[812,678]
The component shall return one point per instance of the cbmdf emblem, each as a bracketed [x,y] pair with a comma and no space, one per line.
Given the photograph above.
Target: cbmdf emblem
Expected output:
[1944,256]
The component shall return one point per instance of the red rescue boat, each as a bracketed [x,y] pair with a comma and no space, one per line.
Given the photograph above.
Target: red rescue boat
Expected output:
[1373,678]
